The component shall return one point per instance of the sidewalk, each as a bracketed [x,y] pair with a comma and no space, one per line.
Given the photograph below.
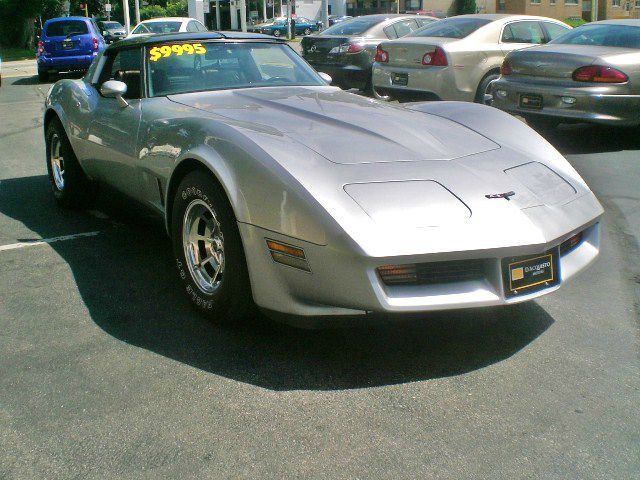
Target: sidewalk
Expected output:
[20,68]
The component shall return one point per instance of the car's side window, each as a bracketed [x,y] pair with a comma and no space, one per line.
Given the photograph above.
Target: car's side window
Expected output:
[390,32]
[405,27]
[125,66]
[554,30]
[201,27]
[424,21]
[523,32]
[192,27]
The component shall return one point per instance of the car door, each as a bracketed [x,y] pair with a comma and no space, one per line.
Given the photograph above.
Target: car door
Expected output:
[521,34]
[113,132]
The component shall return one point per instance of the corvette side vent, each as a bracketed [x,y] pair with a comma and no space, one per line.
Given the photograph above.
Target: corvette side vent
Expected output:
[432,273]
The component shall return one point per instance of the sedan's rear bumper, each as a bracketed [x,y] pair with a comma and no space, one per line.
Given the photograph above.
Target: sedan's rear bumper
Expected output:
[437,82]
[345,283]
[75,62]
[592,104]
[345,76]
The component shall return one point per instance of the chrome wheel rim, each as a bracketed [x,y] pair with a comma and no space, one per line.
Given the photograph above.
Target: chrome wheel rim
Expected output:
[488,96]
[57,162]
[203,244]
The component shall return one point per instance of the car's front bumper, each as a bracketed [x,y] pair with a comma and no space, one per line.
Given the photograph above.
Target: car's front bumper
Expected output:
[437,82]
[75,62]
[345,283]
[594,104]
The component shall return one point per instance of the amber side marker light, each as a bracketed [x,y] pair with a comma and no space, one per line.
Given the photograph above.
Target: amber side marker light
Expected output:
[288,255]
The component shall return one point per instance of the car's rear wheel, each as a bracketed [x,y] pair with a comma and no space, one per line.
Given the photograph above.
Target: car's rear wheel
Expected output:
[70,185]
[380,94]
[307,31]
[208,250]
[276,33]
[483,94]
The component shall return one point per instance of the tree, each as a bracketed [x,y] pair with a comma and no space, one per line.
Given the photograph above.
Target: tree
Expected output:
[465,6]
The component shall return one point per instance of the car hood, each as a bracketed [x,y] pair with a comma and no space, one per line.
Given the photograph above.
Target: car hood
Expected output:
[344,128]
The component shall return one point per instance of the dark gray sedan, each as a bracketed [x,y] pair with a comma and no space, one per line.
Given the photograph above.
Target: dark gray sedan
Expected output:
[345,51]
[591,74]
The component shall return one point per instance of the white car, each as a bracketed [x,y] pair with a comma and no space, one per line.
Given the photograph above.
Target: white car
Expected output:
[167,25]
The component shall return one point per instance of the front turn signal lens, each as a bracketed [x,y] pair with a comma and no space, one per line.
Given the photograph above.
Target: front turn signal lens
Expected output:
[288,255]
[396,274]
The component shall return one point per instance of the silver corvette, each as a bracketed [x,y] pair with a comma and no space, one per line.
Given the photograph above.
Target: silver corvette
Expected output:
[312,201]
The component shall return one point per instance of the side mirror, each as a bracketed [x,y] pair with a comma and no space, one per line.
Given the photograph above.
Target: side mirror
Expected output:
[115,89]
[104,33]
[325,77]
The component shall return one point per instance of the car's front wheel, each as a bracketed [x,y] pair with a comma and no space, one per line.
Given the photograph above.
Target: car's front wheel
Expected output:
[208,250]
[276,33]
[307,31]
[70,185]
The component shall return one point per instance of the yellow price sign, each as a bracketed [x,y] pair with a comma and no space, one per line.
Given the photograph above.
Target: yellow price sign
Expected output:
[164,51]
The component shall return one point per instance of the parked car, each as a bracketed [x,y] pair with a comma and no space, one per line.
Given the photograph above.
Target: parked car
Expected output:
[346,50]
[591,74]
[167,25]
[112,31]
[310,201]
[278,28]
[66,44]
[333,19]
[456,58]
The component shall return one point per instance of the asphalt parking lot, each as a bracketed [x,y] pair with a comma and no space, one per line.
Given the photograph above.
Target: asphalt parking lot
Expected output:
[106,372]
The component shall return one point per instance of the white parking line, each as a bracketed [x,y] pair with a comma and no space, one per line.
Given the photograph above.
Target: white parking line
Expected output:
[46,241]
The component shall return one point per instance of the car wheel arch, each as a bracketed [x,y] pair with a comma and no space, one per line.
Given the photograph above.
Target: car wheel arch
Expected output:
[183,168]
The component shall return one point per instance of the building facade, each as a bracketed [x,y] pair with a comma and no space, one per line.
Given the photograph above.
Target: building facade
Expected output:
[559,9]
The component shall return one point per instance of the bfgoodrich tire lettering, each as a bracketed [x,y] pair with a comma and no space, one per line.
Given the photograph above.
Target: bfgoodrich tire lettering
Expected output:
[221,291]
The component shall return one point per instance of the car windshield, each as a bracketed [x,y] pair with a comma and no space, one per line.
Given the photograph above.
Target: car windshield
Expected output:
[451,28]
[65,28]
[357,26]
[111,25]
[158,27]
[602,35]
[190,67]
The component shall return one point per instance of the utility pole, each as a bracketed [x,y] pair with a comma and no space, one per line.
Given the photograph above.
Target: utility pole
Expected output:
[264,10]
[288,19]
[325,13]
[137,5]
[127,20]
[243,15]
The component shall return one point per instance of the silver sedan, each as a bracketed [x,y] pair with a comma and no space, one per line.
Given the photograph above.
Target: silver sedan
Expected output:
[456,58]
[591,74]
[279,189]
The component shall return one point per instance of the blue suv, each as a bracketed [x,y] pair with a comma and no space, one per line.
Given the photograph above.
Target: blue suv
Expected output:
[68,43]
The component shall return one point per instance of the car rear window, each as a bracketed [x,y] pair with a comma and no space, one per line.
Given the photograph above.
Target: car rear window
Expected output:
[356,26]
[158,27]
[602,35]
[64,28]
[451,28]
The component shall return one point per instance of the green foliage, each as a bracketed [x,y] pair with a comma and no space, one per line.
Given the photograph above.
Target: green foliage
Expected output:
[177,8]
[465,6]
[574,21]
[152,11]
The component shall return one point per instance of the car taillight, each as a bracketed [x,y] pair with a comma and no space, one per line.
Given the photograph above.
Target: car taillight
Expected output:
[95,43]
[382,56]
[354,48]
[437,58]
[505,68]
[40,46]
[599,74]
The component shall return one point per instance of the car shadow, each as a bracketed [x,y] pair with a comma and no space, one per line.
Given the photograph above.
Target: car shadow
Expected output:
[583,138]
[126,279]
[53,78]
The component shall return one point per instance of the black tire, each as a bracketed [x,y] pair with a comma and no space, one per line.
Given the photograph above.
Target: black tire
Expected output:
[231,302]
[276,33]
[542,124]
[307,31]
[484,86]
[43,76]
[75,190]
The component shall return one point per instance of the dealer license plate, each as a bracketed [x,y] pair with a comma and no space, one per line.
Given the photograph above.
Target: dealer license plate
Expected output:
[531,101]
[401,79]
[528,274]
